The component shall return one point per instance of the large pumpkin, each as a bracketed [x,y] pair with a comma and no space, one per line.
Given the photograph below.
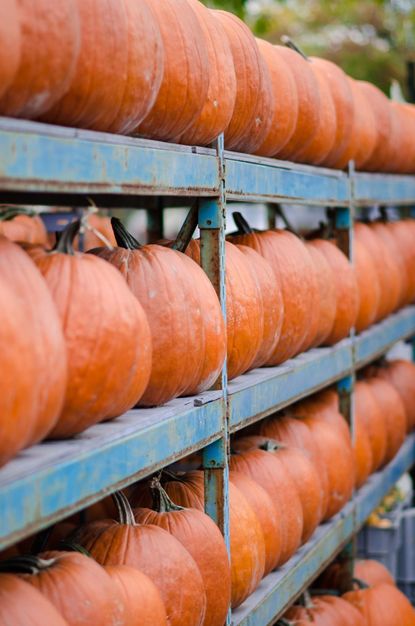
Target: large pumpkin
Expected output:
[48,344]
[372,572]
[186,323]
[10,36]
[392,407]
[76,585]
[369,413]
[403,132]
[401,374]
[368,285]
[325,305]
[364,127]
[119,69]
[285,101]
[403,232]
[22,605]
[204,542]
[346,614]
[141,603]
[155,553]
[252,114]
[324,406]
[379,103]
[362,449]
[382,604]
[384,232]
[23,226]
[218,108]
[97,232]
[106,331]
[185,80]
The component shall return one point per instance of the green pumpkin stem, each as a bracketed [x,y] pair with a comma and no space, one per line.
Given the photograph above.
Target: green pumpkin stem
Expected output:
[65,243]
[284,622]
[360,583]
[287,41]
[123,238]
[161,500]
[325,592]
[8,213]
[71,546]
[26,565]
[241,223]
[125,512]
[188,228]
[288,226]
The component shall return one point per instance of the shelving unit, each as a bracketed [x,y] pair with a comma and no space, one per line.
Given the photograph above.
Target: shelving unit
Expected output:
[42,164]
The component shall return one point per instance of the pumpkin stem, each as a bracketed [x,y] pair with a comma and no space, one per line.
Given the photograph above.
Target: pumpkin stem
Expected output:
[188,228]
[66,544]
[325,592]
[123,238]
[125,512]
[241,223]
[161,500]
[26,564]
[305,600]
[284,622]
[287,41]
[40,541]
[7,213]
[65,243]
[288,225]
[360,583]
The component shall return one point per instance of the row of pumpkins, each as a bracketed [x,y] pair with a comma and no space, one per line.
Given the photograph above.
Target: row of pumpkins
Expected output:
[291,472]
[96,345]
[371,599]
[176,71]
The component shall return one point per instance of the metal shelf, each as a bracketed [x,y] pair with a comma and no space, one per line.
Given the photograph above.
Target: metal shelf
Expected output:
[280,588]
[372,189]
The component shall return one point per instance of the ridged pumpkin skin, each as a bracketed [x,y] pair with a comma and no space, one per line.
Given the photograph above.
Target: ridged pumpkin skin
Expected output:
[368,411]
[372,572]
[403,232]
[16,596]
[363,455]
[119,68]
[267,514]
[382,604]
[218,108]
[269,294]
[315,612]
[392,407]
[106,330]
[323,141]
[285,101]
[290,262]
[265,468]
[368,285]
[49,48]
[252,114]
[23,228]
[324,406]
[402,129]
[379,103]
[347,295]
[202,539]
[181,303]
[346,613]
[50,380]
[141,603]
[326,296]
[401,374]
[10,36]
[342,96]
[364,127]
[389,240]
[308,103]
[77,586]
[185,80]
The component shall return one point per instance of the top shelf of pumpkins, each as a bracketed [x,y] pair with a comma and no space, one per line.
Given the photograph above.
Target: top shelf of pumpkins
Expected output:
[175,71]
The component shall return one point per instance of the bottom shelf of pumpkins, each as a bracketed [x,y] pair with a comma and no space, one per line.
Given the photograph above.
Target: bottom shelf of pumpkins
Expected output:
[165,561]
[369,597]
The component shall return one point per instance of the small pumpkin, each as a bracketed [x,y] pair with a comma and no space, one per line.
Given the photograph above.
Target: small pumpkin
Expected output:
[23,226]
[16,596]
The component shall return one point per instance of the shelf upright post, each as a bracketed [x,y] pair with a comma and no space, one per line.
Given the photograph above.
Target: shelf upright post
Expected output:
[212,220]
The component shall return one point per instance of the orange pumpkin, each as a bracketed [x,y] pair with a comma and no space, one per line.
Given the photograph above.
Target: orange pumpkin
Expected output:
[401,374]
[392,407]
[379,103]
[141,603]
[204,542]
[345,613]
[253,111]
[403,233]
[218,108]
[368,285]
[363,455]
[382,604]
[316,611]
[104,328]
[364,127]
[192,362]
[370,414]
[10,36]
[403,135]
[49,48]
[372,572]
[23,226]
[325,307]
[384,232]
[285,101]
[99,95]
[97,232]
[22,605]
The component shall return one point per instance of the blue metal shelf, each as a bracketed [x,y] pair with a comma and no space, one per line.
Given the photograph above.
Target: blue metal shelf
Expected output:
[372,189]
[280,588]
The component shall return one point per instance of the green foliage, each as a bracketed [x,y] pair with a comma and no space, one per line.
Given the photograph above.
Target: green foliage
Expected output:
[235,6]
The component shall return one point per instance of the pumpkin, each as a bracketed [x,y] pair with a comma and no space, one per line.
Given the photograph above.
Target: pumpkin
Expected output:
[154,552]
[372,572]
[22,605]
[141,603]
[389,277]
[265,468]
[346,613]
[23,226]
[252,114]
[401,374]
[204,542]
[325,306]
[347,294]
[323,141]
[77,586]
[97,232]
[105,329]
[285,101]
[247,546]
[382,155]
[402,133]
[186,77]
[290,262]
[268,517]
[10,36]
[384,232]
[48,341]
[370,414]
[368,285]
[301,471]
[217,110]
[118,71]
[316,611]
[49,48]
[394,414]
[403,233]
[363,455]
[382,604]
[342,97]
[408,123]
[184,314]
[308,103]
[324,406]
[364,127]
